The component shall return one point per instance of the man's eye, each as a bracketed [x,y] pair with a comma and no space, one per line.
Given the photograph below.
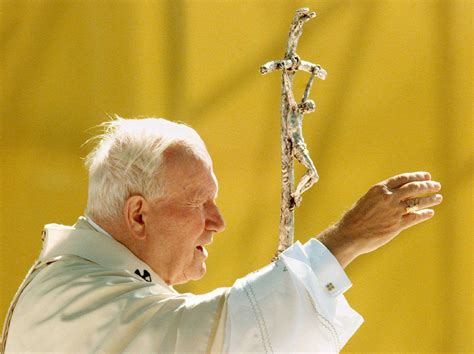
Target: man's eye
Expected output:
[200,205]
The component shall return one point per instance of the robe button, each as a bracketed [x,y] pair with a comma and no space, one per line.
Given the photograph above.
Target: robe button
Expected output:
[330,286]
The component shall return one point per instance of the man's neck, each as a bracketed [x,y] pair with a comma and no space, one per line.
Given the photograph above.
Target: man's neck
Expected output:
[98,227]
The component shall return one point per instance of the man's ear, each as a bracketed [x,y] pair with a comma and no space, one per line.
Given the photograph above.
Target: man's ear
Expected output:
[135,207]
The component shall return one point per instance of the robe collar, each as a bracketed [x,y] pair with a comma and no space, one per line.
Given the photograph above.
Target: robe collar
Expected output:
[84,241]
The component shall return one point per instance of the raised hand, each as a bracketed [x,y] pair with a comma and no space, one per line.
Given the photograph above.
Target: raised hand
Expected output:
[382,213]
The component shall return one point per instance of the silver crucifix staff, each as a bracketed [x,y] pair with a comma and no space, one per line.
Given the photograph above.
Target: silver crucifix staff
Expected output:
[292,141]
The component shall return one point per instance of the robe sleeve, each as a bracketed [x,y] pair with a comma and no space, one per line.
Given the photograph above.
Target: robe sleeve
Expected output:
[295,304]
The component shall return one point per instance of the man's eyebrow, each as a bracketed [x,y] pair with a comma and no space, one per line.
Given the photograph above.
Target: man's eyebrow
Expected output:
[205,193]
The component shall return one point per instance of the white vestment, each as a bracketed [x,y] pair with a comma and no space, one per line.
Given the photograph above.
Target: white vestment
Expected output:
[87,293]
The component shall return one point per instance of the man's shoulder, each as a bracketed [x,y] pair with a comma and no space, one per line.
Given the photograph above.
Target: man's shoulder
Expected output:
[70,269]
[71,284]
[76,297]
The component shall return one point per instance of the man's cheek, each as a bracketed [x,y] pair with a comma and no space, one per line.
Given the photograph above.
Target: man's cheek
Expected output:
[195,227]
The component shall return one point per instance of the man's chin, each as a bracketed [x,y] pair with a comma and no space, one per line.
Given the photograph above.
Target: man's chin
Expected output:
[196,272]
[201,271]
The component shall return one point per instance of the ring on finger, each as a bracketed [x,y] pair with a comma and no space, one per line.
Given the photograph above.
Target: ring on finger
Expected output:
[411,205]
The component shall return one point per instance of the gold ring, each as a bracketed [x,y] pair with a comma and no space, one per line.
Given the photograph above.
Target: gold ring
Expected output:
[411,205]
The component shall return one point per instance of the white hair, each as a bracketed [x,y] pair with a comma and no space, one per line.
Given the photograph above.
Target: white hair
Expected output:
[128,160]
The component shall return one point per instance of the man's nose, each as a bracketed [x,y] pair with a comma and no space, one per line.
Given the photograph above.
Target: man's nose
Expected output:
[215,220]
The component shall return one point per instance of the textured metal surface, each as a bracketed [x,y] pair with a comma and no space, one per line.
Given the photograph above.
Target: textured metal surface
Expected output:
[291,134]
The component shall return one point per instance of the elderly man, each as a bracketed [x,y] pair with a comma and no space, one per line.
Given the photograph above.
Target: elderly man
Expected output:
[106,283]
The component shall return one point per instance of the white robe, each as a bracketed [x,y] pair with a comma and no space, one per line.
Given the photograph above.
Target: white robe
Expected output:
[87,293]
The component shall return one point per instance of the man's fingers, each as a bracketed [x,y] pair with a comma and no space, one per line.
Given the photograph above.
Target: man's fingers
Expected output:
[415,217]
[400,180]
[425,202]
[413,189]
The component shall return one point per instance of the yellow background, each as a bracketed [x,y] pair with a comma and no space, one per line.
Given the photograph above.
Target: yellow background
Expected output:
[398,98]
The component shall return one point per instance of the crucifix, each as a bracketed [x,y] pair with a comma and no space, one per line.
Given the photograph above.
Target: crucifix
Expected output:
[291,133]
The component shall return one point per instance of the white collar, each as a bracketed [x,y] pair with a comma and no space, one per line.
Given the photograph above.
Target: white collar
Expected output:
[96,227]
[86,242]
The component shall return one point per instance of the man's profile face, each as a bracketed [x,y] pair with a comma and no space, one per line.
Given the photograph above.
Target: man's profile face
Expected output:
[182,223]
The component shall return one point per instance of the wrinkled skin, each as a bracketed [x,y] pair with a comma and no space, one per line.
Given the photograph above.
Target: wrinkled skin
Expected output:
[171,232]
[380,215]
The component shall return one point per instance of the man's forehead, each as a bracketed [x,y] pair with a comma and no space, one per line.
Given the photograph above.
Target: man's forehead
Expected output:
[191,175]
[205,184]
